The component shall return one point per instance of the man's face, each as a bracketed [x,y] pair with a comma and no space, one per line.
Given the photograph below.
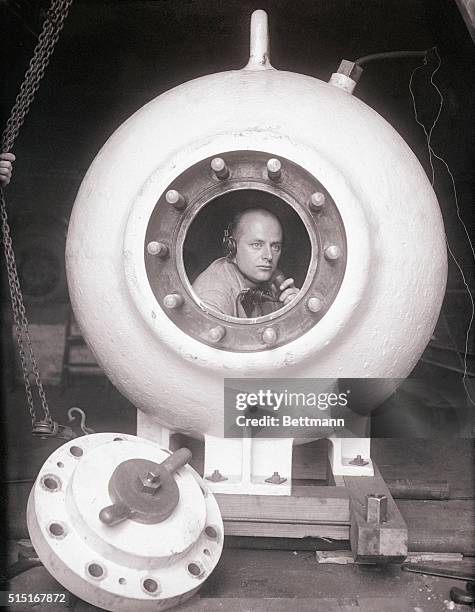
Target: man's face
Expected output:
[259,244]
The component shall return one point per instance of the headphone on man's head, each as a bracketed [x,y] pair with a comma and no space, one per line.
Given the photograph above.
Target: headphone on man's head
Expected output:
[229,243]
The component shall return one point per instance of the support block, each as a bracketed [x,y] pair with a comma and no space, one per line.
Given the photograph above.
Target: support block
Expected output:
[248,466]
[343,454]
[378,533]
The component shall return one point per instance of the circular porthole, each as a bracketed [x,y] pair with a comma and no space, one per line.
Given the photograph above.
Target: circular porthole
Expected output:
[185,236]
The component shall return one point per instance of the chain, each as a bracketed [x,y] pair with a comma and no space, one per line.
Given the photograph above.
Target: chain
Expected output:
[52,26]
[47,40]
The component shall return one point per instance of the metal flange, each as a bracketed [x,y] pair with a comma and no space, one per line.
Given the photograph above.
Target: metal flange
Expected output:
[202,183]
[127,564]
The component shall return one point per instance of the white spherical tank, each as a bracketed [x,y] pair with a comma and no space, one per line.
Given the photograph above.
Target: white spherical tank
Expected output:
[376,278]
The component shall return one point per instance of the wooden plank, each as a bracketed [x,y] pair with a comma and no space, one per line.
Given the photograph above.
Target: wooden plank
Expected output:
[315,505]
[285,530]
[372,541]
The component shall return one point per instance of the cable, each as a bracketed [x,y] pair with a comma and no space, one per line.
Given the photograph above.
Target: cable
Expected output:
[432,153]
[365,59]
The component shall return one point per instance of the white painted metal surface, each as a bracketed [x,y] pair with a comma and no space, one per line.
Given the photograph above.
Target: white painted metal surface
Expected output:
[130,558]
[388,304]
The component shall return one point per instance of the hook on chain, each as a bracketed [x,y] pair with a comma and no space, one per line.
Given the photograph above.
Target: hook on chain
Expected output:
[82,416]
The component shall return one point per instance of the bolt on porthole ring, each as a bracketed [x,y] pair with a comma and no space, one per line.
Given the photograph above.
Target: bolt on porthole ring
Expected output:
[199,185]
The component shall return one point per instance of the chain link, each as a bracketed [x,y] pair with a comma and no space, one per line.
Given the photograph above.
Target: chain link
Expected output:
[47,40]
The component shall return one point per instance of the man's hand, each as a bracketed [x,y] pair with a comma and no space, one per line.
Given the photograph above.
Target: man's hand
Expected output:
[6,160]
[289,291]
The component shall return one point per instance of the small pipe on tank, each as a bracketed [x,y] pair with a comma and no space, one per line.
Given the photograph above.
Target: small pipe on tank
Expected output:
[259,54]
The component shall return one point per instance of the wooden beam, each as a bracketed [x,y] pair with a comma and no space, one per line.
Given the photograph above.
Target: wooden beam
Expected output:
[372,541]
[317,505]
[319,512]
[285,530]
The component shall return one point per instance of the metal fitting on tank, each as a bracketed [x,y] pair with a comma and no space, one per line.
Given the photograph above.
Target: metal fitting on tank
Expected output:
[158,249]
[347,76]
[332,252]
[315,304]
[274,169]
[269,336]
[173,300]
[316,201]
[175,198]
[219,167]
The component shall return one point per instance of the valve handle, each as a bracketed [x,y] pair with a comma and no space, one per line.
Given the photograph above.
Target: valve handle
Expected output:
[177,460]
[114,514]
[135,492]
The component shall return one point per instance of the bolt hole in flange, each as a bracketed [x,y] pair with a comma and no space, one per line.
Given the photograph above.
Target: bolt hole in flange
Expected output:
[206,552]
[122,581]
[191,239]
[76,451]
[95,570]
[211,532]
[57,530]
[151,586]
[50,482]
[60,464]
[195,569]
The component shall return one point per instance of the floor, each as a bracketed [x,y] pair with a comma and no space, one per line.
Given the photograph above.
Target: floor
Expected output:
[255,579]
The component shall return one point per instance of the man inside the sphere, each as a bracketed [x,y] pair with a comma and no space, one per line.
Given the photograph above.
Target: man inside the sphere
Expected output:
[247,282]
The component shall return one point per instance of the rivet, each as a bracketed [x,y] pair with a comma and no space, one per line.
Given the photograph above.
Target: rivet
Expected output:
[215,334]
[314,304]
[274,168]
[316,201]
[158,249]
[176,199]
[173,300]
[269,336]
[333,252]
[219,167]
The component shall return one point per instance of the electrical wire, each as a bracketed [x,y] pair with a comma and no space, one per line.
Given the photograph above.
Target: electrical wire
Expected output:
[365,59]
[432,154]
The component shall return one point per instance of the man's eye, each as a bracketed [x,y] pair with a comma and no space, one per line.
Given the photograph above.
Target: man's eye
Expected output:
[256,245]
[276,248]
